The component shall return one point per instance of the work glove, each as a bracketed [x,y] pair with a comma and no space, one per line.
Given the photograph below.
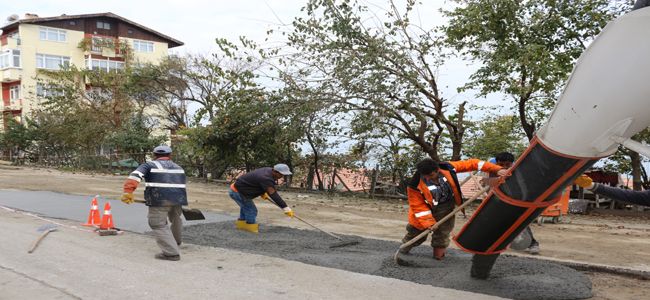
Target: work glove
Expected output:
[288,212]
[584,181]
[127,198]
[265,196]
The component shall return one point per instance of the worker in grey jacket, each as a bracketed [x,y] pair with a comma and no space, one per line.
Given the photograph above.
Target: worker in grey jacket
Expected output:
[630,196]
[164,195]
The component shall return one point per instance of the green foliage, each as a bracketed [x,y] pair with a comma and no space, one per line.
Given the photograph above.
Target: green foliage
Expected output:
[493,135]
[237,123]
[526,49]
[135,137]
[73,122]
[16,136]
[381,71]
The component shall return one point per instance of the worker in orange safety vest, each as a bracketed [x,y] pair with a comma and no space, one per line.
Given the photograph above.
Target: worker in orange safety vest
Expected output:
[433,193]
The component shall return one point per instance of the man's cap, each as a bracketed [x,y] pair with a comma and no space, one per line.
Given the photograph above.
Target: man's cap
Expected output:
[162,150]
[282,169]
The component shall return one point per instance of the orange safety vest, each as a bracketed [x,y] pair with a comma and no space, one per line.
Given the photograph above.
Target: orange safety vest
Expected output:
[421,200]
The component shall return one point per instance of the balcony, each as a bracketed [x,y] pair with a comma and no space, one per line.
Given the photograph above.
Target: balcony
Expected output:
[10,74]
[13,42]
[14,107]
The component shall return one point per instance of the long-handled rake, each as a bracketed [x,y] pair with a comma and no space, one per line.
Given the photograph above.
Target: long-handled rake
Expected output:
[342,242]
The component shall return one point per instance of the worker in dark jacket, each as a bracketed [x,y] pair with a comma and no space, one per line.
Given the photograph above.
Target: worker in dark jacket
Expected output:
[259,182]
[630,196]
[164,195]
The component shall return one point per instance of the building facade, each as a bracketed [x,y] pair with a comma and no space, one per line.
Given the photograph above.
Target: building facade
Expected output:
[32,43]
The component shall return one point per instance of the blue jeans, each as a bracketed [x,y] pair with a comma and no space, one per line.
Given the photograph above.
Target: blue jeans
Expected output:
[247,209]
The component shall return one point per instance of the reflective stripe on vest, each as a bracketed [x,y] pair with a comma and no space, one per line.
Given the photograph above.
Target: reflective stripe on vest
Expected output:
[164,185]
[422,213]
[170,171]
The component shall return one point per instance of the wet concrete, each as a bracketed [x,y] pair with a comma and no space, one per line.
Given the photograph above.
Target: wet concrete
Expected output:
[512,277]
[73,207]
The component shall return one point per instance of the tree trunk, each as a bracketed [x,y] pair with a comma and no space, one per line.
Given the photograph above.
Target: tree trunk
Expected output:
[313,148]
[320,182]
[333,182]
[310,178]
[373,182]
[636,170]
[529,128]
[289,160]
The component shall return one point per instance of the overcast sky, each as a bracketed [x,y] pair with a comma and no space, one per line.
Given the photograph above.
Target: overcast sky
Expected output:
[198,22]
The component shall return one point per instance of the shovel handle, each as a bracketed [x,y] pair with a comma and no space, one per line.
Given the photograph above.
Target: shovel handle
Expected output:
[323,231]
[447,217]
[40,238]
[312,225]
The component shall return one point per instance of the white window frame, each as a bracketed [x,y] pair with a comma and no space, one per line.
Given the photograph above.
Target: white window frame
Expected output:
[14,93]
[52,34]
[10,58]
[139,45]
[104,64]
[41,61]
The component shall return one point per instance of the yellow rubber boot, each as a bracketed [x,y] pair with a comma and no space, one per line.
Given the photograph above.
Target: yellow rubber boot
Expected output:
[240,224]
[254,228]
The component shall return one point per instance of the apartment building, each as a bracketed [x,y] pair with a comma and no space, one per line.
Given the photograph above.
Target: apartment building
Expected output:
[31,43]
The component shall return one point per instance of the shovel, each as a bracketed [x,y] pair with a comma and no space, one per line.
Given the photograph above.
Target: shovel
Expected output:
[45,229]
[190,214]
[440,222]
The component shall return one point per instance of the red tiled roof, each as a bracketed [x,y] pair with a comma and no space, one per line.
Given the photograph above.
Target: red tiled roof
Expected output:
[471,187]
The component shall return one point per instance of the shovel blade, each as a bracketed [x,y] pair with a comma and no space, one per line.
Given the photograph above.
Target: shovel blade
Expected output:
[192,214]
[46,227]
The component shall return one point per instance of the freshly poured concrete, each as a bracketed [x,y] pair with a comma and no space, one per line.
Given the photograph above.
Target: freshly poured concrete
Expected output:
[131,217]
[512,277]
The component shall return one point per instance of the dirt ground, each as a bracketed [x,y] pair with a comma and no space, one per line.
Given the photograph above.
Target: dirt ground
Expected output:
[598,238]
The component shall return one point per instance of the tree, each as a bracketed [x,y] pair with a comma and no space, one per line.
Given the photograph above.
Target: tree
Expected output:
[630,162]
[493,135]
[82,111]
[526,49]
[383,73]
[16,137]
[238,122]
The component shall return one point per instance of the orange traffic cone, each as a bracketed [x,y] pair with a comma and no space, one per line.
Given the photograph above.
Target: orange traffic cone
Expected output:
[94,217]
[107,219]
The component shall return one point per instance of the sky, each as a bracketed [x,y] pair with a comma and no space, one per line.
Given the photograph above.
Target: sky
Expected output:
[198,22]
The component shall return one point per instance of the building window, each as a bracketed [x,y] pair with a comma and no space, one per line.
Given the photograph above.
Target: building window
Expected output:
[142,46]
[99,42]
[103,25]
[10,58]
[104,65]
[51,34]
[129,31]
[14,92]
[51,62]
[73,23]
[44,90]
